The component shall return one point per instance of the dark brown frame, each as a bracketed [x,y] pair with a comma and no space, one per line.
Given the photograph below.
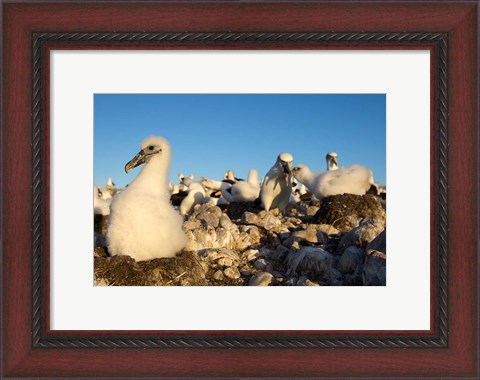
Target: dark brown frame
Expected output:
[448,30]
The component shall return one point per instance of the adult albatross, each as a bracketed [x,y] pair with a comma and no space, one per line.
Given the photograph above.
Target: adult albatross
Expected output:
[277,184]
[332,161]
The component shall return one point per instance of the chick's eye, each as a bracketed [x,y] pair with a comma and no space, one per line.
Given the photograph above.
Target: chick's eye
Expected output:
[150,147]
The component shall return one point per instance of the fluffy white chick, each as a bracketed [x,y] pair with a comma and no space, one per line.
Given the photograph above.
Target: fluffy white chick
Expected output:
[143,224]
[354,179]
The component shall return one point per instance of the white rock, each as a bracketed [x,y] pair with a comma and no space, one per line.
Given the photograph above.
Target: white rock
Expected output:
[251,254]
[218,275]
[231,272]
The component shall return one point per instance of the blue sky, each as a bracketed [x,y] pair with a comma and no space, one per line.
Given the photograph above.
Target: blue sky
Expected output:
[210,134]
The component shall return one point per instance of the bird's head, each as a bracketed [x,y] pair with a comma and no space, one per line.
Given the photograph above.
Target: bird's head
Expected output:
[96,191]
[285,161]
[299,172]
[332,161]
[153,146]
[208,183]
[229,175]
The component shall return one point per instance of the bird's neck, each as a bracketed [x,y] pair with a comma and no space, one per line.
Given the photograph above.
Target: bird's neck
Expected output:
[153,178]
[253,178]
[217,185]
[332,165]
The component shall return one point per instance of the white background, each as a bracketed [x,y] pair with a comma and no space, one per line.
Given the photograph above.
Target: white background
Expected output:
[403,304]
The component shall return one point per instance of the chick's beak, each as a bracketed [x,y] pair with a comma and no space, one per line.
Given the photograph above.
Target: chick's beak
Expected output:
[335,160]
[135,161]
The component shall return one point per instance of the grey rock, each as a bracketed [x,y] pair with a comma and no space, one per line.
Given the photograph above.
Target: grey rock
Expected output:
[374,271]
[355,278]
[362,235]
[208,214]
[261,279]
[322,238]
[260,264]
[264,252]
[99,240]
[310,259]
[245,272]
[350,259]
[335,273]
[275,255]
[375,267]
[378,245]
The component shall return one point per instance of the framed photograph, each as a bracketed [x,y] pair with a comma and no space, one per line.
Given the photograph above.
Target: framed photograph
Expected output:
[241,156]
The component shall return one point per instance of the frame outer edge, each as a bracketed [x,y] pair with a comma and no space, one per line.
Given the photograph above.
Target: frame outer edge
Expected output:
[39,39]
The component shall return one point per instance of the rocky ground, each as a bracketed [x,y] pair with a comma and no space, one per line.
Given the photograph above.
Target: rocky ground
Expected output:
[338,241]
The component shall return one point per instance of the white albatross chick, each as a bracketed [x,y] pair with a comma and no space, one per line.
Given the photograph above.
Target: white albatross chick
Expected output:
[143,224]
[245,191]
[354,179]
[215,185]
[196,194]
[222,186]
[302,189]
[175,189]
[101,202]
[277,184]
[182,186]
[332,161]
[109,190]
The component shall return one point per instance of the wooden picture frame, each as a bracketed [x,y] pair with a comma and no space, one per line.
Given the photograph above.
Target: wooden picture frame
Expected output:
[448,30]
